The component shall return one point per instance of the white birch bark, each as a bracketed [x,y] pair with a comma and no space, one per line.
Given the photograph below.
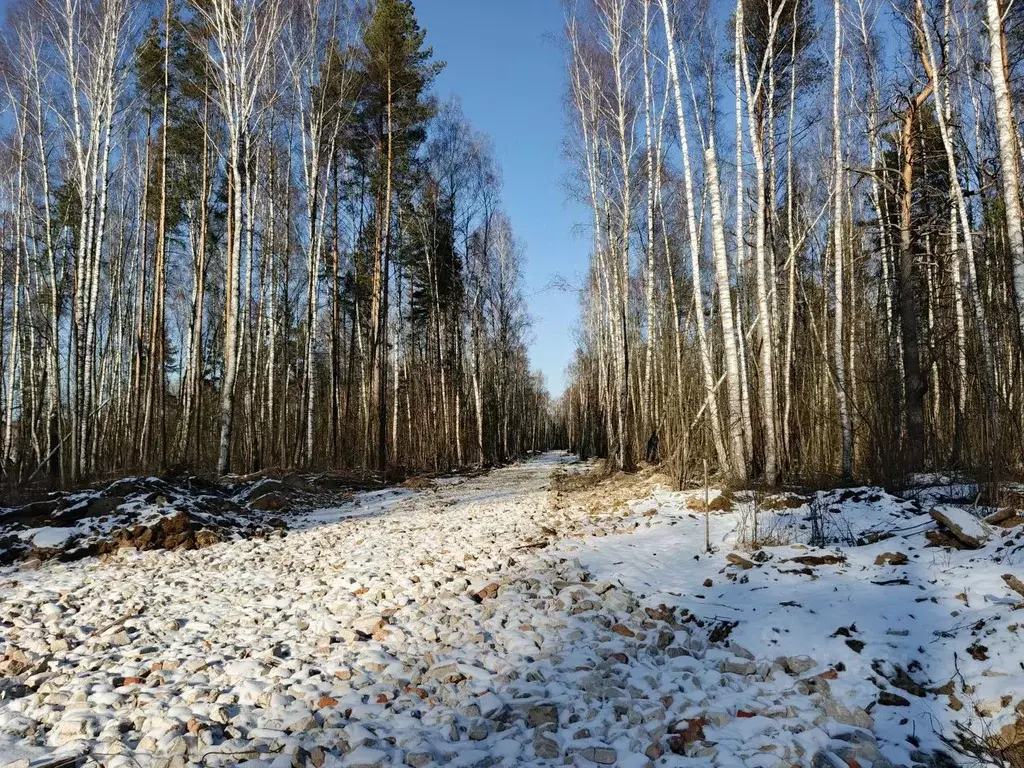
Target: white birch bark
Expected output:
[845,423]
[960,215]
[767,362]
[695,250]
[648,385]
[1008,157]
[243,37]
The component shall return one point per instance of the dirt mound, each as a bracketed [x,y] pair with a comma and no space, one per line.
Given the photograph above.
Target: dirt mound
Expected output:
[145,513]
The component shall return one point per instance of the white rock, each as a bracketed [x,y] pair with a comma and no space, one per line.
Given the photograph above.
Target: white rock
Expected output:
[364,757]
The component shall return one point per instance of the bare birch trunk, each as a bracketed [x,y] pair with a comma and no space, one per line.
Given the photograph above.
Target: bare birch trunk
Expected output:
[1008,157]
[767,366]
[845,423]
[734,424]
[959,214]
[695,249]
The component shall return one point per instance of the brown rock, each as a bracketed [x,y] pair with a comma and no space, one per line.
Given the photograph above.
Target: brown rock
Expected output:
[177,540]
[623,630]
[327,701]
[542,714]
[691,731]
[544,747]
[661,613]
[486,593]
[742,562]
[654,751]
[141,537]
[891,558]
[369,626]
[890,699]
[206,538]
[270,502]
[176,523]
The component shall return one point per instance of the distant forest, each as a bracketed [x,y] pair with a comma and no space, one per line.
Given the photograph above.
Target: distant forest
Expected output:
[808,255]
[237,234]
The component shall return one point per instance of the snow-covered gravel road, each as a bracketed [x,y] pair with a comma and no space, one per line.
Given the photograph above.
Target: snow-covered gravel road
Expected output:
[435,627]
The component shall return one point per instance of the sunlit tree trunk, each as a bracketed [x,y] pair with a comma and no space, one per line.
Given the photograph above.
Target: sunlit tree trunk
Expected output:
[695,250]
[762,267]
[1008,154]
[845,423]
[243,36]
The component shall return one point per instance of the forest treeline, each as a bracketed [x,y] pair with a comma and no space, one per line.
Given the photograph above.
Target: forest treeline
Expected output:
[808,255]
[243,233]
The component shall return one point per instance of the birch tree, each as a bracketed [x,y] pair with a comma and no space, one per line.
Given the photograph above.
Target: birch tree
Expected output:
[243,37]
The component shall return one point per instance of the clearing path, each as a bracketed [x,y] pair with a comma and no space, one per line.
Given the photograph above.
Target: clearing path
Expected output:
[436,627]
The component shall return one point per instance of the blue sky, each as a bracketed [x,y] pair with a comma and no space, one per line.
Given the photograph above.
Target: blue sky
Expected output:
[505,65]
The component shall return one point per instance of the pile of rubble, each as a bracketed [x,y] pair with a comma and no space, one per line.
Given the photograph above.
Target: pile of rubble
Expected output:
[160,513]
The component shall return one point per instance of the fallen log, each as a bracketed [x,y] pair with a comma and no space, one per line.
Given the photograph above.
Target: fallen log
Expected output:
[1014,583]
[742,562]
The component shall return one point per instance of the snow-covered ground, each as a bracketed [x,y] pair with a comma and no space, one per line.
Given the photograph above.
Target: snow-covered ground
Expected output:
[494,621]
[920,637]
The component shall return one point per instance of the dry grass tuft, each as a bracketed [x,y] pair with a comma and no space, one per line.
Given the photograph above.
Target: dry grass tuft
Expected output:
[784,501]
[723,502]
